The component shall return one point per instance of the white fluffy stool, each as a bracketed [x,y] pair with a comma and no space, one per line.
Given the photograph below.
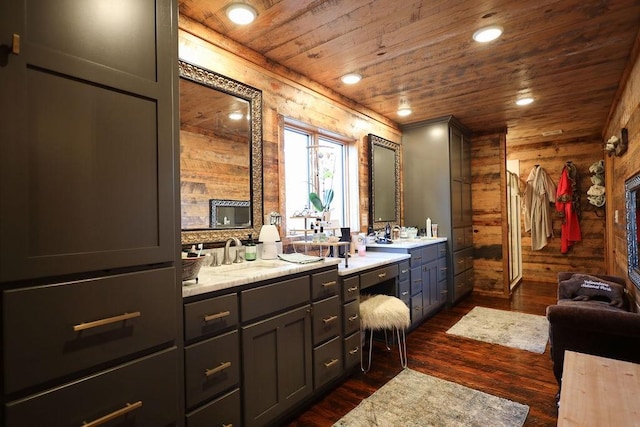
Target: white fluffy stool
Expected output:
[384,312]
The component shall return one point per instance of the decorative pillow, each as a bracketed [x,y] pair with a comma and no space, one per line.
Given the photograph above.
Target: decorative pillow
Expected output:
[583,287]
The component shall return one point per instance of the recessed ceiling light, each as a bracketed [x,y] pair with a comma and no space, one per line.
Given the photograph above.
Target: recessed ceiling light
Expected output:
[351,78]
[524,101]
[404,111]
[236,115]
[241,14]
[487,34]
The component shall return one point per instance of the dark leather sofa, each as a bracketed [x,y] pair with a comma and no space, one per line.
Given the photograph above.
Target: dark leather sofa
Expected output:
[591,324]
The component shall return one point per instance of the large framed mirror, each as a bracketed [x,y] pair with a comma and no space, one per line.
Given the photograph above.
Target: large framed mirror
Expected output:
[220,156]
[384,182]
[632,202]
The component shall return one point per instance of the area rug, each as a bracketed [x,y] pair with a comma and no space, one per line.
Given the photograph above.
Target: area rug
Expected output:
[416,399]
[508,328]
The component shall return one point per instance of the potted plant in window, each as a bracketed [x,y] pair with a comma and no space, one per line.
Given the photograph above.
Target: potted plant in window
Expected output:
[323,163]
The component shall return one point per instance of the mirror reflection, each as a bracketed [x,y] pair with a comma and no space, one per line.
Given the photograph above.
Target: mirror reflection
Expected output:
[632,201]
[220,157]
[384,171]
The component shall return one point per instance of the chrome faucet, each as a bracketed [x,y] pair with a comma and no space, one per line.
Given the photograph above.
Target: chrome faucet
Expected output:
[227,259]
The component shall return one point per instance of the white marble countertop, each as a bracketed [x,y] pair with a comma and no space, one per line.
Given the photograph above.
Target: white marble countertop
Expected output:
[211,279]
[409,243]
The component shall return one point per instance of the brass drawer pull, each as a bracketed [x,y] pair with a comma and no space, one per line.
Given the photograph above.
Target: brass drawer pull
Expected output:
[461,261]
[15,44]
[329,319]
[354,351]
[227,425]
[330,363]
[331,283]
[381,275]
[115,414]
[353,289]
[352,318]
[404,293]
[222,367]
[220,315]
[107,321]
[404,271]
[418,258]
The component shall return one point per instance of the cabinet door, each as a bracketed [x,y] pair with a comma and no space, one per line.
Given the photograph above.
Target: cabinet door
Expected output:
[277,365]
[429,289]
[456,152]
[87,128]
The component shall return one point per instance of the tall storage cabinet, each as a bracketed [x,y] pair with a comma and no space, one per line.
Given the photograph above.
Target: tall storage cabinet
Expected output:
[89,225]
[437,184]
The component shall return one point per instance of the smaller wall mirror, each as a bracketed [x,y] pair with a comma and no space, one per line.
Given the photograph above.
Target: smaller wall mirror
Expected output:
[384,182]
[632,201]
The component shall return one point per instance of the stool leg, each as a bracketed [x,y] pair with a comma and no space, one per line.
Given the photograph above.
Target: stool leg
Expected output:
[370,350]
[386,340]
[402,348]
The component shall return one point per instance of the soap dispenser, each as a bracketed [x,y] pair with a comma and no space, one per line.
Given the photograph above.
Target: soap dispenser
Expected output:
[250,250]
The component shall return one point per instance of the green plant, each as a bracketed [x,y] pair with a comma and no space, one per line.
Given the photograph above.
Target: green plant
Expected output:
[321,205]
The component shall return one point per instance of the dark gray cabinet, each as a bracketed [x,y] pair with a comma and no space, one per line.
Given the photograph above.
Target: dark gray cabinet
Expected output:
[277,365]
[89,226]
[437,184]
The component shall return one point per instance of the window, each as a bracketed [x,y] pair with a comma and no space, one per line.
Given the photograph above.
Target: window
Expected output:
[319,162]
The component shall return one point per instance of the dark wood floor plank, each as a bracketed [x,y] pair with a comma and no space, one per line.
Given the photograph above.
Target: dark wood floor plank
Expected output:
[517,375]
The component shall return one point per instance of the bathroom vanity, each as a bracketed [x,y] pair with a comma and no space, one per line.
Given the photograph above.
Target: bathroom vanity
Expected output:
[264,338]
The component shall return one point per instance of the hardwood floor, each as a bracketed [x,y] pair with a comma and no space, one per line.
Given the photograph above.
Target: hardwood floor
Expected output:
[517,375]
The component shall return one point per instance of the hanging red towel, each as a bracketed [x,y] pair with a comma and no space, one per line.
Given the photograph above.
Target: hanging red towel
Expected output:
[564,205]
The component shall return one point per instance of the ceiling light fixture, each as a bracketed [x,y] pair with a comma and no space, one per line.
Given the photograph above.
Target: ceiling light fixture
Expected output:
[351,78]
[487,34]
[404,111]
[236,115]
[241,13]
[524,101]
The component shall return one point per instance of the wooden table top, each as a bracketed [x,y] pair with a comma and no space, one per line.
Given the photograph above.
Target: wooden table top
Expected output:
[597,391]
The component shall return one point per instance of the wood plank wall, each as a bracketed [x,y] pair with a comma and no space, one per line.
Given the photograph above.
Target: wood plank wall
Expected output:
[286,94]
[618,169]
[488,193]
[586,256]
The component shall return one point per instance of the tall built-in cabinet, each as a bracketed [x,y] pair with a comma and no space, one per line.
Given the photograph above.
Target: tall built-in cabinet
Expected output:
[437,185]
[89,224]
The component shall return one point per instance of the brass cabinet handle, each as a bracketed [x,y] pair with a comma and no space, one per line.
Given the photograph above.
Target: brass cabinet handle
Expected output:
[355,288]
[352,318]
[354,351]
[227,425]
[15,44]
[418,258]
[222,367]
[404,271]
[444,269]
[331,283]
[418,307]
[115,414]
[461,261]
[220,315]
[330,363]
[329,319]
[107,321]
[404,293]
[381,275]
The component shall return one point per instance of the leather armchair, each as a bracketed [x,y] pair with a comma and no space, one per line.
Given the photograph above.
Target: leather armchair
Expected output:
[592,327]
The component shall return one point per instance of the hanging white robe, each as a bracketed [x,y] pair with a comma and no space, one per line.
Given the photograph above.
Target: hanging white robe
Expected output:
[540,191]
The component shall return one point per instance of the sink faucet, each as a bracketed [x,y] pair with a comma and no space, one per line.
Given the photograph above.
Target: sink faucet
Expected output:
[227,260]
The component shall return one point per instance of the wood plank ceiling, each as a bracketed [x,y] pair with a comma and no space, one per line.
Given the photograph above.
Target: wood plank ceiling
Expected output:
[568,55]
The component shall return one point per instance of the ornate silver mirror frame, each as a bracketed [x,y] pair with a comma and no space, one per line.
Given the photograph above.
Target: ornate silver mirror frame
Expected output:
[254,97]
[631,190]
[384,182]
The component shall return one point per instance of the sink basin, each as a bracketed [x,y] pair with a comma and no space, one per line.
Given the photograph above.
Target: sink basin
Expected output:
[248,265]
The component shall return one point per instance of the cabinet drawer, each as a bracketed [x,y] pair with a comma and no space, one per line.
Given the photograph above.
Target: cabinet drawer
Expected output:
[403,271]
[468,236]
[211,367]
[458,239]
[327,319]
[463,283]
[404,291]
[150,382]
[378,276]
[210,316]
[224,411]
[417,258]
[462,260]
[430,253]
[56,330]
[351,288]
[327,362]
[442,269]
[442,250]
[416,309]
[351,317]
[416,280]
[352,350]
[324,285]
[275,297]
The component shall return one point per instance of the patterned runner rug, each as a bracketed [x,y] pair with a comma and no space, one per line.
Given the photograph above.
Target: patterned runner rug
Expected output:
[511,329]
[416,399]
